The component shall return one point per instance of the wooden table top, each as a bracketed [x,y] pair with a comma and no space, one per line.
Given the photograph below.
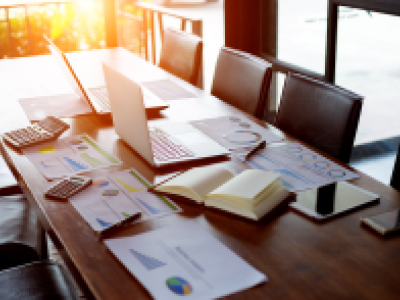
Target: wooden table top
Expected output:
[302,258]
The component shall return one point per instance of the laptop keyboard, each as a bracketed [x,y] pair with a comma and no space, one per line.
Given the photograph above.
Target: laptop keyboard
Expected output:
[102,95]
[165,148]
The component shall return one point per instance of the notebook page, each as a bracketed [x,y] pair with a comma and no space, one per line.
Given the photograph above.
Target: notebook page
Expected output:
[202,180]
[247,184]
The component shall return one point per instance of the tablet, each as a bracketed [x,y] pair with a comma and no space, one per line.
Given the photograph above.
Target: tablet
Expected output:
[331,200]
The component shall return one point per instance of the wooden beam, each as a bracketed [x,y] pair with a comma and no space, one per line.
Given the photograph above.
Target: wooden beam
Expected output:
[110,23]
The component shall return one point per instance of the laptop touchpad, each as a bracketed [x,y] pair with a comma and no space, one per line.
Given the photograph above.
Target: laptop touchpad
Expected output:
[192,138]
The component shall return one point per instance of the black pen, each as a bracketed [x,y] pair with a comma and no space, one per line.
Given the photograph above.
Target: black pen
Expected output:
[261,145]
[116,226]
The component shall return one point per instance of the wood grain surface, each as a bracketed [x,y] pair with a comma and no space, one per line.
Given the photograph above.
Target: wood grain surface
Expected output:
[303,259]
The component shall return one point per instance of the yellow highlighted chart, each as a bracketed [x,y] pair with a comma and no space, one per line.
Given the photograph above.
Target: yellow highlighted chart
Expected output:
[127,187]
[47,149]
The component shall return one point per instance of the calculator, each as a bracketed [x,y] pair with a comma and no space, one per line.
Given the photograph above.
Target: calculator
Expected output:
[48,129]
[68,187]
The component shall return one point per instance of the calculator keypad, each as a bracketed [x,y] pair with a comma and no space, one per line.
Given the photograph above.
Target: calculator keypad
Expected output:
[68,187]
[28,136]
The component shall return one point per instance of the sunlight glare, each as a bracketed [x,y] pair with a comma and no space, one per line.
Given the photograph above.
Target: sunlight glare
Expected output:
[87,4]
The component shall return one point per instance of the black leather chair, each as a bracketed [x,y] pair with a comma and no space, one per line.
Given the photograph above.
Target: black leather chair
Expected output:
[39,280]
[320,114]
[395,180]
[242,80]
[181,54]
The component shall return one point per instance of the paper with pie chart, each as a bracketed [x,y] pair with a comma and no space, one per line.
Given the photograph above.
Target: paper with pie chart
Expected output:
[72,155]
[184,262]
[116,196]
[235,132]
[299,167]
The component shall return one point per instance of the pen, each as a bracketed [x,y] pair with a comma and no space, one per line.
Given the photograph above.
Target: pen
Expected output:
[116,226]
[261,145]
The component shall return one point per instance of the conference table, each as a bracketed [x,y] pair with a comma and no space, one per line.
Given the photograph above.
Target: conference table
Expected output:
[302,258]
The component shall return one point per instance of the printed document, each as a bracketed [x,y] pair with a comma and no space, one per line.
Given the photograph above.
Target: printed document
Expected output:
[116,196]
[72,155]
[184,262]
[235,132]
[59,106]
[300,167]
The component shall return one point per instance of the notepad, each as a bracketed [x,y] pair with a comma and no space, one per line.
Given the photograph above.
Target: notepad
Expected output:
[251,194]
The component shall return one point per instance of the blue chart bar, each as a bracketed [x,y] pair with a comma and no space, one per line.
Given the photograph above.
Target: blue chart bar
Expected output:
[151,209]
[148,262]
[291,174]
[44,164]
[103,223]
[76,166]
[268,159]
[254,165]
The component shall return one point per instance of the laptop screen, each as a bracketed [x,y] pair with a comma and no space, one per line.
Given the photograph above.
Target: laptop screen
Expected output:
[66,68]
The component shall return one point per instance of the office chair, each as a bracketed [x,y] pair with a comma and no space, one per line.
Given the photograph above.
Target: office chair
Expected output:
[395,180]
[321,114]
[242,80]
[181,54]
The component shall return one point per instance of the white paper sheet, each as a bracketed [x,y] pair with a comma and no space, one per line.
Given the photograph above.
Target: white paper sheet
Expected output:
[235,132]
[184,262]
[59,106]
[72,155]
[300,168]
[118,195]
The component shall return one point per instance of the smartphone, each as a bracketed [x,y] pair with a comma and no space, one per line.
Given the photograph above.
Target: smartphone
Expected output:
[385,222]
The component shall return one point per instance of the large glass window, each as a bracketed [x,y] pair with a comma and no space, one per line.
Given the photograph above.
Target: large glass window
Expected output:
[368,62]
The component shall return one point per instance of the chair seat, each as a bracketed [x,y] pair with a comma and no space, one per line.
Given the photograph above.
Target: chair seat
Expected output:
[39,280]
[20,232]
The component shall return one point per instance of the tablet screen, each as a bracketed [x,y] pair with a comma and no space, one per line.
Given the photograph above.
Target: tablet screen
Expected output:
[332,199]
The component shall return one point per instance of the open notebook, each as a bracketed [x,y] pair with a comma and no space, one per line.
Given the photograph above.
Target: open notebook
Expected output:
[251,194]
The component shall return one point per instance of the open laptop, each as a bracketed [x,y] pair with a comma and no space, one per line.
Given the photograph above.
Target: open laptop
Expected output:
[160,146]
[97,97]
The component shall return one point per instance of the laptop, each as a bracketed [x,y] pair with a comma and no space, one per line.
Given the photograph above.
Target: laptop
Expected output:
[162,145]
[97,97]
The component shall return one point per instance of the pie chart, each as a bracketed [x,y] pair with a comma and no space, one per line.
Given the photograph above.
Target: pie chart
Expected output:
[179,286]
[243,137]
[110,193]
[336,173]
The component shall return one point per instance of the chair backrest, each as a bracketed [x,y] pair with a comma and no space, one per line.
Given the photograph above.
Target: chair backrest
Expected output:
[181,54]
[242,80]
[395,180]
[323,115]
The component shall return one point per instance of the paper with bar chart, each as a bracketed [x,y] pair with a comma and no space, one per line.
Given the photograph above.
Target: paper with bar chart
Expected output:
[299,167]
[116,196]
[72,155]
[184,262]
